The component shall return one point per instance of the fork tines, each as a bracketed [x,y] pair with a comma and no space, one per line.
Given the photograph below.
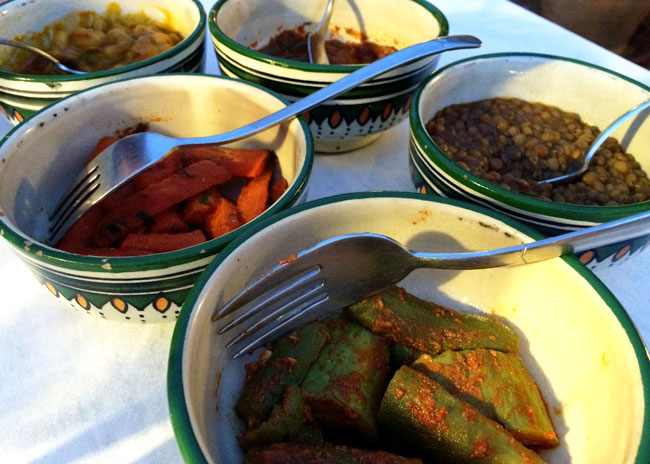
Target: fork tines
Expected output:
[67,210]
[276,303]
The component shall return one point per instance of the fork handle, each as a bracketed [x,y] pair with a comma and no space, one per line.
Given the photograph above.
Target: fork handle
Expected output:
[552,247]
[352,80]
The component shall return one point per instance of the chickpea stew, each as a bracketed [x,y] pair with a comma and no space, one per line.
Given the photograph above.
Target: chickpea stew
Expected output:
[515,144]
[90,42]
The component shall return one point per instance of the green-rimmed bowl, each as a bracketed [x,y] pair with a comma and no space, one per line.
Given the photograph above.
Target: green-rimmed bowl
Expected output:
[23,94]
[40,157]
[578,342]
[357,117]
[598,95]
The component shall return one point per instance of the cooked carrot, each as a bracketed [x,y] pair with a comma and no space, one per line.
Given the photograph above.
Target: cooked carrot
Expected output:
[80,235]
[224,219]
[254,197]
[196,209]
[240,162]
[141,207]
[103,143]
[277,189]
[160,243]
[159,171]
[169,222]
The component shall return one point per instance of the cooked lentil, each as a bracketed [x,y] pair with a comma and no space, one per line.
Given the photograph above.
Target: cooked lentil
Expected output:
[516,144]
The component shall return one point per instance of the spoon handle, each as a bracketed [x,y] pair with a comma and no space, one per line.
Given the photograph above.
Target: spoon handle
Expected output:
[363,74]
[589,238]
[38,51]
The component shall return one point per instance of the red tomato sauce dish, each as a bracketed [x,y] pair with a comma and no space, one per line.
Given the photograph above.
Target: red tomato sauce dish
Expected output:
[190,196]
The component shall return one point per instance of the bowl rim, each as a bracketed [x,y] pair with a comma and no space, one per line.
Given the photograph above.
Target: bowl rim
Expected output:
[48,254]
[186,43]
[181,424]
[495,192]
[221,37]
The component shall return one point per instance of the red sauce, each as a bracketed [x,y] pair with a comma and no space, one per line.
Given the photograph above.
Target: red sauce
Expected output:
[292,45]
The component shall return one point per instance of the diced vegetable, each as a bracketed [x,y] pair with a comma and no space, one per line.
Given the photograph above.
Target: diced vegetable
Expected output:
[139,208]
[102,145]
[197,209]
[160,243]
[302,453]
[277,190]
[499,386]
[346,382]
[224,219]
[286,420]
[254,197]
[169,222]
[287,363]
[428,327]
[243,163]
[402,355]
[444,427]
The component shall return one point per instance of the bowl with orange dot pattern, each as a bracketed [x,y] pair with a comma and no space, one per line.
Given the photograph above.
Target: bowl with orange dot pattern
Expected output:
[241,28]
[40,157]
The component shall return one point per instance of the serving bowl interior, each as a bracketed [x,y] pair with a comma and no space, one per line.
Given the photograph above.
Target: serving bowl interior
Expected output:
[42,156]
[22,94]
[357,117]
[576,339]
[598,95]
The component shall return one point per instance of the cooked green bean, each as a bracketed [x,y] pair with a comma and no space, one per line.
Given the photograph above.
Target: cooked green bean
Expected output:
[444,427]
[499,386]
[290,358]
[428,327]
[346,382]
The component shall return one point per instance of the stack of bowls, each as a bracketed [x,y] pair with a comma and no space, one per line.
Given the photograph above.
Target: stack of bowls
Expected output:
[357,117]
[598,95]
[34,176]
[579,344]
[23,94]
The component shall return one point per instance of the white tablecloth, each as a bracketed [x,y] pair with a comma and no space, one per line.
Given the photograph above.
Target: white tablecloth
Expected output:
[76,388]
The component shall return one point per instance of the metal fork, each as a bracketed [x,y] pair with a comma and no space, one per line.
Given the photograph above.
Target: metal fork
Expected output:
[345,269]
[130,155]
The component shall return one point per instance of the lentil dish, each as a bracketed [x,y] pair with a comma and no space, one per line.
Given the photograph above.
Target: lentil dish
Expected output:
[88,41]
[516,144]
[292,44]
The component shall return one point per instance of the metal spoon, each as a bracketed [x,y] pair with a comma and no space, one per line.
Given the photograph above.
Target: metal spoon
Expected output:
[316,40]
[47,56]
[597,143]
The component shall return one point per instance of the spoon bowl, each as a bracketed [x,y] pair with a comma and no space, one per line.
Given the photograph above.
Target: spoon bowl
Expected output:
[41,53]
[604,135]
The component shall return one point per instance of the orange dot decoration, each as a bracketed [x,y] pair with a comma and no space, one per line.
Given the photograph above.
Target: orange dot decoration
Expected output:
[161,304]
[387,110]
[82,301]
[335,119]
[586,257]
[119,304]
[622,251]
[363,117]
[52,289]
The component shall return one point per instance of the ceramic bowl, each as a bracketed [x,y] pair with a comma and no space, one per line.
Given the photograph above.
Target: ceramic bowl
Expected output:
[23,94]
[357,117]
[598,95]
[577,340]
[40,157]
